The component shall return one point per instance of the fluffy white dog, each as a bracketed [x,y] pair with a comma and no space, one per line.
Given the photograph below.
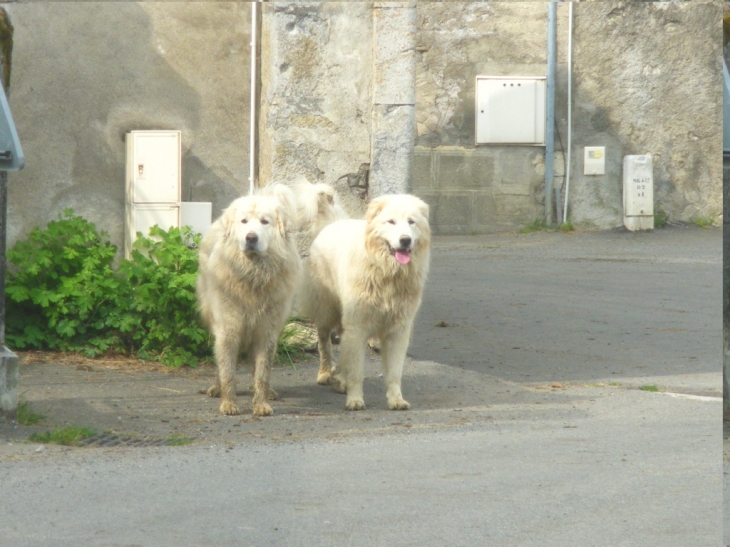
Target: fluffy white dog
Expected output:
[247,278]
[365,278]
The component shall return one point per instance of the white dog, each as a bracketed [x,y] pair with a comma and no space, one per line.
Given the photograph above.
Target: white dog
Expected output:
[247,278]
[317,205]
[365,278]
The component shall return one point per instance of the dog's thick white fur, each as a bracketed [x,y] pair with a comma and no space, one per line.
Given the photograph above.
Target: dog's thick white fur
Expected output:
[365,279]
[247,277]
[317,205]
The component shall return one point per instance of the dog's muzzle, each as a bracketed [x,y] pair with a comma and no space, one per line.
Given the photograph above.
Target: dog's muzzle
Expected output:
[403,253]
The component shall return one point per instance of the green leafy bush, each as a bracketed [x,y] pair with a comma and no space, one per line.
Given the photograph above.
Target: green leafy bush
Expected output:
[162,275]
[63,294]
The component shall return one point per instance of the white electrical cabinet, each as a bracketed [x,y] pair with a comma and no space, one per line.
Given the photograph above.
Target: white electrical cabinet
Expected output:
[638,192]
[153,166]
[142,216]
[153,183]
[510,110]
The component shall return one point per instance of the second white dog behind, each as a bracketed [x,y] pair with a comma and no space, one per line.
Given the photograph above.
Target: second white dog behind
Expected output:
[365,278]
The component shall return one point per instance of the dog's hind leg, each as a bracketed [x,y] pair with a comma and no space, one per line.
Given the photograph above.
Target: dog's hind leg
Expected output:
[263,356]
[226,354]
[326,356]
[394,347]
[352,369]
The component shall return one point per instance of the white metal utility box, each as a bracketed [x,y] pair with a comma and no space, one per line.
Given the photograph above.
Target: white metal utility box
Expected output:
[638,192]
[510,110]
[153,182]
[153,166]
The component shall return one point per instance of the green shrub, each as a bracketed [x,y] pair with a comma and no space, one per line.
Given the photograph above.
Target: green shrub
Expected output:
[63,294]
[161,274]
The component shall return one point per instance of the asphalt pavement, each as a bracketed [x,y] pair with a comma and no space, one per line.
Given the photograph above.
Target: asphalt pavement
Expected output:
[565,390]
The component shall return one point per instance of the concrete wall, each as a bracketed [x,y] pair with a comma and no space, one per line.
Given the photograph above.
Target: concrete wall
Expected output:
[86,73]
[474,189]
[646,80]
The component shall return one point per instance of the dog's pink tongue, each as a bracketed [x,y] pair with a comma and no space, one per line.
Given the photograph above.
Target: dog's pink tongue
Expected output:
[404,257]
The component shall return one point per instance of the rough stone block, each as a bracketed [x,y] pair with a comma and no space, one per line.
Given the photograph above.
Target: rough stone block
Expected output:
[519,170]
[449,211]
[390,171]
[422,177]
[395,57]
[465,169]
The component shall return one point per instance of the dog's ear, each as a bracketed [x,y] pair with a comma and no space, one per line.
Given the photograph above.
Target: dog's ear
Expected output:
[283,218]
[424,210]
[229,219]
[374,208]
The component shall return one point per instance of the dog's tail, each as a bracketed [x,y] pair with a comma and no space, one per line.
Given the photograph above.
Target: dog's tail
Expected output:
[316,206]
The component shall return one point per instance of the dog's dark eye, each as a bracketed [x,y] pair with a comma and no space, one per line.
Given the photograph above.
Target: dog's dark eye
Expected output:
[244,221]
[411,221]
[264,221]
[391,222]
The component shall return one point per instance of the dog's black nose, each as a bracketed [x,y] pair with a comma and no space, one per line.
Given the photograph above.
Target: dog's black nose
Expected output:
[251,238]
[405,242]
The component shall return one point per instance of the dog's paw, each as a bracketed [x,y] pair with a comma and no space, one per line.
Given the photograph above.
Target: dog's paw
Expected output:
[324,378]
[398,404]
[214,391]
[229,408]
[262,409]
[355,404]
[338,383]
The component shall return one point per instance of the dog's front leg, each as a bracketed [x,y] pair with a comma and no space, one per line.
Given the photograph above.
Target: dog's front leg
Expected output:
[263,356]
[351,368]
[394,348]
[226,353]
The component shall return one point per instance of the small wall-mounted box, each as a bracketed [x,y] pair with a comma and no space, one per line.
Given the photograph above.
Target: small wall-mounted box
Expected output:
[594,160]
[510,110]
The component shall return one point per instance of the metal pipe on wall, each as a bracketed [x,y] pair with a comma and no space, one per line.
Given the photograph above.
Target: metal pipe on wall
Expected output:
[570,110]
[252,128]
[550,115]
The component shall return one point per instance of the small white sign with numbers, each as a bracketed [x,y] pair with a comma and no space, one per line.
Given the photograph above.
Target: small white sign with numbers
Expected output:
[638,192]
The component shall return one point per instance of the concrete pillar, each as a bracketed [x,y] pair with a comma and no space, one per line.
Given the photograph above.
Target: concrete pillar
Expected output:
[8,384]
[394,97]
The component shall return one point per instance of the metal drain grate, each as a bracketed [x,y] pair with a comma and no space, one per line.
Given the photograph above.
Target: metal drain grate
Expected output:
[111,440]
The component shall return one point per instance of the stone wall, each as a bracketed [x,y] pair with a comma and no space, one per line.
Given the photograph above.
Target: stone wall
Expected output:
[486,188]
[646,79]
[316,106]
[86,73]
